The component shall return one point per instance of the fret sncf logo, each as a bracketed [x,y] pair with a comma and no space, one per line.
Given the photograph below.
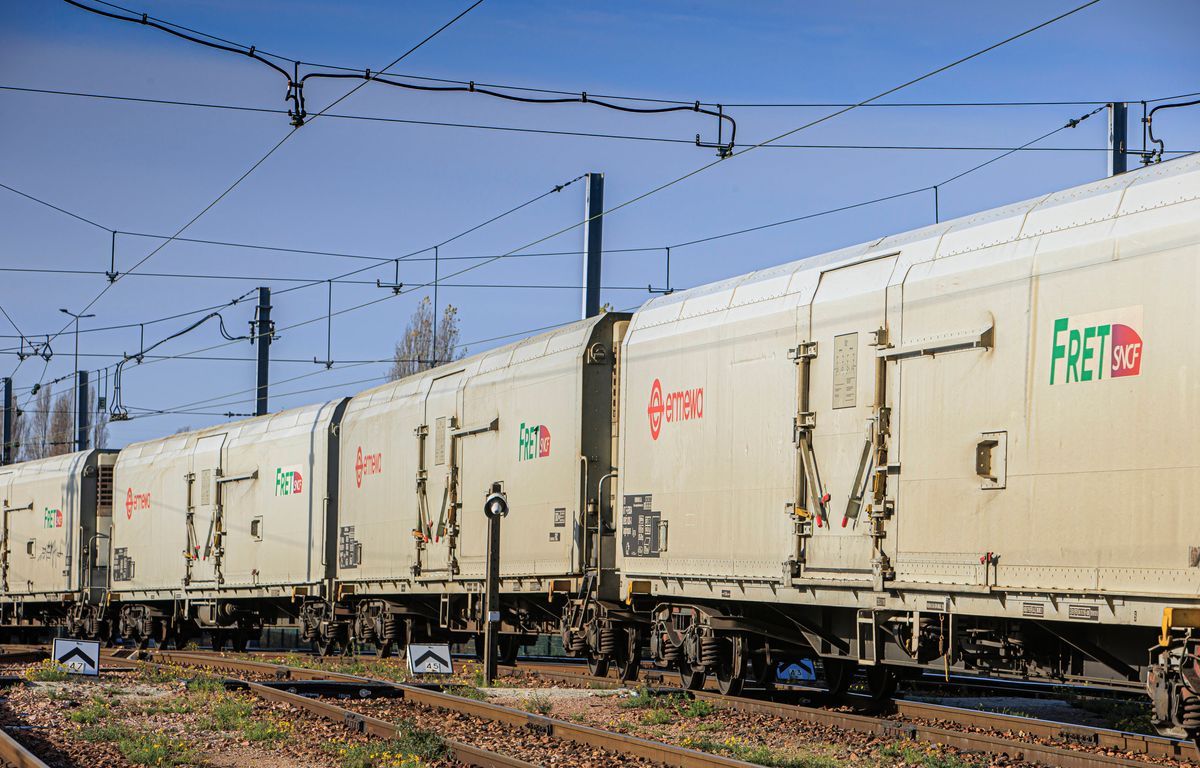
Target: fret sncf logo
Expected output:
[1102,345]
[366,464]
[670,407]
[288,481]
[533,442]
[135,502]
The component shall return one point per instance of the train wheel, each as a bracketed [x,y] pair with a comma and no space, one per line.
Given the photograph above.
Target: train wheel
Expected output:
[731,671]
[630,661]
[690,677]
[238,640]
[762,667]
[597,664]
[327,647]
[881,683]
[838,675]
[217,638]
[385,648]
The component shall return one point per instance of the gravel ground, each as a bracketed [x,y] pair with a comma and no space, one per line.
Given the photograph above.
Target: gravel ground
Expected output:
[509,740]
[755,738]
[126,719]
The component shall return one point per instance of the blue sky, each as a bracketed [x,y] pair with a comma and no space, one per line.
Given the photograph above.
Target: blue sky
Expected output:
[385,189]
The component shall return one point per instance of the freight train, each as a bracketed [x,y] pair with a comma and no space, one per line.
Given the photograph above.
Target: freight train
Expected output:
[960,450]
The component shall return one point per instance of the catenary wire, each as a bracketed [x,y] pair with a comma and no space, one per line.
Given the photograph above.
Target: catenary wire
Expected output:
[532,89]
[795,130]
[557,132]
[270,152]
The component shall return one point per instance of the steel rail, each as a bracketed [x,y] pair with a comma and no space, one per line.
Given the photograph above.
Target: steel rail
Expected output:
[666,754]
[14,755]
[1098,738]
[373,726]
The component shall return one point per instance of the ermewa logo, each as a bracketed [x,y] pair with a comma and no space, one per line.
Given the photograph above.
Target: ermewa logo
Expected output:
[366,464]
[533,442]
[682,405]
[1102,345]
[135,501]
[288,481]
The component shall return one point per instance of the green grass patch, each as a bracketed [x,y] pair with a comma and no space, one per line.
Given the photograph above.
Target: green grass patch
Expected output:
[538,703]
[47,671]
[90,713]
[268,729]
[1123,715]
[156,749]
[411,748]
[466,691]
[740,749]
[913,755]
[227,713]
[160,673]
[206,684]
[105,732]
[657,716]
[697,708]
[643,698]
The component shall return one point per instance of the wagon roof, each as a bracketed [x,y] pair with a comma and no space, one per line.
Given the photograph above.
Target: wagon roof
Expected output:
[1167,183]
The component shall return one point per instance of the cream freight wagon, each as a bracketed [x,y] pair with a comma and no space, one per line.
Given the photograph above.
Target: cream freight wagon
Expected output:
[536,419]
[967,446]
[224,527]
[54,546]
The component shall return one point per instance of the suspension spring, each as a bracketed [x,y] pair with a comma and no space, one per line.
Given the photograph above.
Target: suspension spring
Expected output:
[712,650]
[578,642]
[608,641]
[366,628]
[671,653]
[1191,713]
[392,627]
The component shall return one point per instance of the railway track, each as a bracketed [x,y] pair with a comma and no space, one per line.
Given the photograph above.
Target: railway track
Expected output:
[920,720]
[657,752]
[14,755]
[967,730]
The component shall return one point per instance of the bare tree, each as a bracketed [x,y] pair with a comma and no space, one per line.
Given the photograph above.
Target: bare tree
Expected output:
[61,437]
[35,432]
[20,425]
[416,351]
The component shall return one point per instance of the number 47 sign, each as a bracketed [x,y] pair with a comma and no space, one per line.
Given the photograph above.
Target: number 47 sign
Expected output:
[80,657]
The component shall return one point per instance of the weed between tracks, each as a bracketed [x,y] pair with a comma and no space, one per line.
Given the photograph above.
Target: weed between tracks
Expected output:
[139,719]
[663,710]
[538,703]
[1121,714]
[411,748]
[47,671]
[911,753]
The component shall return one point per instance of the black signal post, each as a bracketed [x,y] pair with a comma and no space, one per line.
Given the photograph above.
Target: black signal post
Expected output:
[495,507]
[262,336]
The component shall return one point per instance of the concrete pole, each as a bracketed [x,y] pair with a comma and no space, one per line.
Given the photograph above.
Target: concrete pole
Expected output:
[593,240]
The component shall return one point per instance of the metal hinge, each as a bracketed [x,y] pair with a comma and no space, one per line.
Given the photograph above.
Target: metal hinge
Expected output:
[806,350]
